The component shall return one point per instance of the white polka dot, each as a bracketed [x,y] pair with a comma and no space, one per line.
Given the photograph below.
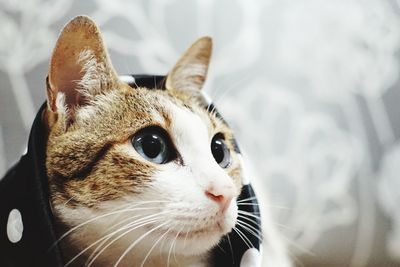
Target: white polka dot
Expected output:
[245,174]
[127,79]
[251,258]
[14,226]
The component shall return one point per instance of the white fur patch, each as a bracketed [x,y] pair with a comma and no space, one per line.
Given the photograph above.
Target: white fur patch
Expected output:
[98,103]
[60,104]
[94,74]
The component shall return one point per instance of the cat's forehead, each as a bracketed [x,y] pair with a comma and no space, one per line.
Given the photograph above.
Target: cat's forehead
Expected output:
[121,112]
[174,109]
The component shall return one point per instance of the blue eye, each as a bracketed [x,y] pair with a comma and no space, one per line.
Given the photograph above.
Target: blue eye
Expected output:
[153,145]
[220,151]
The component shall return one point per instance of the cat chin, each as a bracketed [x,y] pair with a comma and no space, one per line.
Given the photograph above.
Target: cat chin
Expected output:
[201,241]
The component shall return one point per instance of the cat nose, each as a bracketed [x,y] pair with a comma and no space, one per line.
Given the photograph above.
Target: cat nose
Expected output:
[222,196]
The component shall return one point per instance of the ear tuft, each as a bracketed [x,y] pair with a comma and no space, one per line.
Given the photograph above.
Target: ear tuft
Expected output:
[80,67]
[190,72]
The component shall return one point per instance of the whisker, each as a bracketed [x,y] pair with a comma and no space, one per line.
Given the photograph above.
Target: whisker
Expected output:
[151,249]
[187,232]
[249,214]
[230,247]
[252,233]
[219,246]
[131,226]
[229,89]
[214,93]
[68,201]
[247,204]
[94,255]
[99,217]
[246,199]
[130,218]
[239,233]
[259,218]
[186,235]
[137,241]
[173,245]
[294,244]
[243,202]
[266,205]
[108,236]
[193,227]
[247,218]
[255,232]
[251,244]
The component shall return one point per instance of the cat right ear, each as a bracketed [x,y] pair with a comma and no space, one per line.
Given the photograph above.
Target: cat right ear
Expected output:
[190,72]
[80,67]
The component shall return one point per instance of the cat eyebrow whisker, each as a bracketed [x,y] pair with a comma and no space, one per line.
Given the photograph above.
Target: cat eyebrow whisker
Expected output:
[130,247]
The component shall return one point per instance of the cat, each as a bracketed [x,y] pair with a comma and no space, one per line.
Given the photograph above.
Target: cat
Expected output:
[137,177]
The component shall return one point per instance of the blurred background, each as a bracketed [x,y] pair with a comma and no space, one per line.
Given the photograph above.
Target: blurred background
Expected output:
[311,88]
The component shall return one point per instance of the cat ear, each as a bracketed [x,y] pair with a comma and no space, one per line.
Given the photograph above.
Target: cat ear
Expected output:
[80,67]
[190,72]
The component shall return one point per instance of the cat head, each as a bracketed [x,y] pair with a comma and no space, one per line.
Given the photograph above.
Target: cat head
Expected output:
[136,165]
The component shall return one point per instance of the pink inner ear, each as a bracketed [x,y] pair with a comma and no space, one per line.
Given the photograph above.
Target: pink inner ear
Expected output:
[66,81]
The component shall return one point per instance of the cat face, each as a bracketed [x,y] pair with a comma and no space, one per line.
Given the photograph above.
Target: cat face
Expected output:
[135,171]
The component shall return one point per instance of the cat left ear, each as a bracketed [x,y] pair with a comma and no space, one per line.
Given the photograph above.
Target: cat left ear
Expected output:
[80,67]
[190,72]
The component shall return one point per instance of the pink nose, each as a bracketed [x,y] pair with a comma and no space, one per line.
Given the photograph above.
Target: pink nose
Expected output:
[221,197]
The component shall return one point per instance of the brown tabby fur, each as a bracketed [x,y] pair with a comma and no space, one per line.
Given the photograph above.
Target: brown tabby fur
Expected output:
[86,162]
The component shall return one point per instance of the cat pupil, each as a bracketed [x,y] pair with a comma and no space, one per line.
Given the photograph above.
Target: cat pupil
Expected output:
[220,152]
[151,146]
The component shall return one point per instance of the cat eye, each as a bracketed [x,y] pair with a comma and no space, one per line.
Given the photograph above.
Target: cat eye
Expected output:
[153,145]
[220,151]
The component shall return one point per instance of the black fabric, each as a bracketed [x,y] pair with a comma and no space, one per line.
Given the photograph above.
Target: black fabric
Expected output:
[148,81]
[25,188]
